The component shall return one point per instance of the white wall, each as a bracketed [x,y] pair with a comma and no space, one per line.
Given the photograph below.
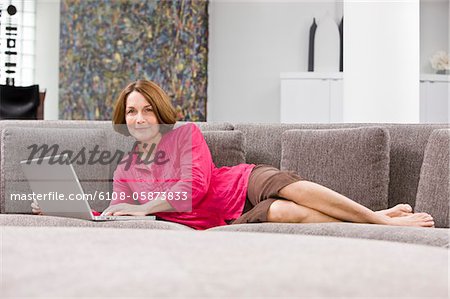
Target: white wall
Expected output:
[250,44]
[47,54]
[381,61]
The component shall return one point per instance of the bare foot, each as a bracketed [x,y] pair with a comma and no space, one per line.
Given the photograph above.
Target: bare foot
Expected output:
[417,219]
[399,210]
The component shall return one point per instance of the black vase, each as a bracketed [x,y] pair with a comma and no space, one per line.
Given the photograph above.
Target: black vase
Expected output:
[312,34]
[341,55]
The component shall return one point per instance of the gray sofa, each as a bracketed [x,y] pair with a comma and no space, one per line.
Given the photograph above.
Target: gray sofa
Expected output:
[378,165]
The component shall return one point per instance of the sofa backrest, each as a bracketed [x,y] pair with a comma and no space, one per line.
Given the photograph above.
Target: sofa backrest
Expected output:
[407,146]
[434,184]
[17,145]
[408,143]
[263,146]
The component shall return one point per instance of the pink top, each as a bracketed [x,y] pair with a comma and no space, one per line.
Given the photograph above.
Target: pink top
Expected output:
[206,196]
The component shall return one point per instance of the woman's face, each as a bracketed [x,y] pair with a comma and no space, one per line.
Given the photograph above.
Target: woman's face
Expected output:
[140,118]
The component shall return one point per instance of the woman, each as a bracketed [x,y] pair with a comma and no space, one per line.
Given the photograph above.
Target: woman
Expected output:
[218,196]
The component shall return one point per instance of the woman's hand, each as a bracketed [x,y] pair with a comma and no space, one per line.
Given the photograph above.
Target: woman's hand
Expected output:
[126,209]
[35,209]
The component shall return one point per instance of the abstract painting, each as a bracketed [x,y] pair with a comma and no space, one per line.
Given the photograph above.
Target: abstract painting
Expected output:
[106,44]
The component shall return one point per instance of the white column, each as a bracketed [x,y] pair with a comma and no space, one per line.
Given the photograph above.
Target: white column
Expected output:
[381,61]
[47,54]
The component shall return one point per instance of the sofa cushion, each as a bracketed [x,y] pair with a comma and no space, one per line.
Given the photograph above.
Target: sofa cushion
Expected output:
[433,193]
[438,237]
[353,162]
[227,147]
[212,126]
[14,148]
[189,264]
[40,220]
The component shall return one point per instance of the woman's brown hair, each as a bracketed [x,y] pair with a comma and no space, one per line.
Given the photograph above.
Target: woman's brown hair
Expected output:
[162,107]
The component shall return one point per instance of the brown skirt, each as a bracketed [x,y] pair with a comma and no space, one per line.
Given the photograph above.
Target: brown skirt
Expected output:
[264,184]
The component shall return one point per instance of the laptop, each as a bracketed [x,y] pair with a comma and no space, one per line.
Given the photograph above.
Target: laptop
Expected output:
[54,182]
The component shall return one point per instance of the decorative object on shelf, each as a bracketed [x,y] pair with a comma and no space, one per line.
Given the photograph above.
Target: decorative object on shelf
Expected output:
[312,33]
[440,62]
[341,52]
[10,58]
[326,45]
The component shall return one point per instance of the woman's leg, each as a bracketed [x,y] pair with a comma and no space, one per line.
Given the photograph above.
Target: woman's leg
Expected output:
[335,205]
[399,210]
[287,211]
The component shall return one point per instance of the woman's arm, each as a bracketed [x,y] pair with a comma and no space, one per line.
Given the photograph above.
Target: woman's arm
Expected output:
[151,207]
[128,206]
[35,209]
[195,168]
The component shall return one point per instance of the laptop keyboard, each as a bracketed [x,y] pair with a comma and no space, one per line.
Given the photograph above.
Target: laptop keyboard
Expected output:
[106,217]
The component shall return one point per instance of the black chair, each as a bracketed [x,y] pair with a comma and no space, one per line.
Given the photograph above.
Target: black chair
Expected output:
[19,102]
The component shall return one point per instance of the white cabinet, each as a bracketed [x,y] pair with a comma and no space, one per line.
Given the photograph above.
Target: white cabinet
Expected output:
[434,98]
[311,97]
